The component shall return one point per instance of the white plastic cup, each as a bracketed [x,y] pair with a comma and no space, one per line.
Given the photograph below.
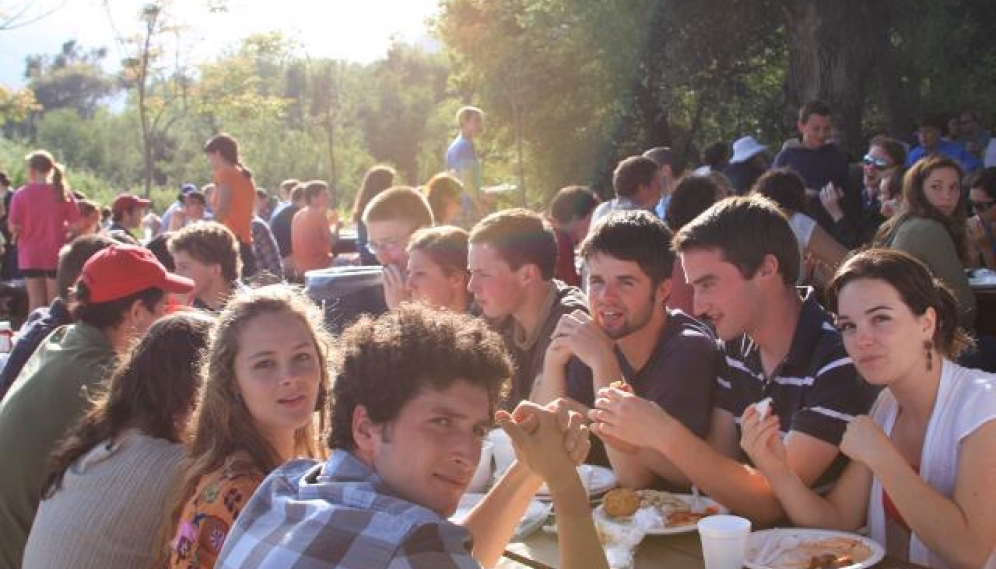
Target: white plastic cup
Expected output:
[724,541]
[503,450]
[482,476]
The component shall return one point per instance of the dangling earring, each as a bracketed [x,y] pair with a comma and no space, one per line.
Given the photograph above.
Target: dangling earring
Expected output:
[928,346]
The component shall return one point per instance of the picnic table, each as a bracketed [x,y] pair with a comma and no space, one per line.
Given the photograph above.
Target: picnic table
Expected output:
[683,551]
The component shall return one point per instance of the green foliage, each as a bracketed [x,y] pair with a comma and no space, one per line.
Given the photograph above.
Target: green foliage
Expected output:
[568,87]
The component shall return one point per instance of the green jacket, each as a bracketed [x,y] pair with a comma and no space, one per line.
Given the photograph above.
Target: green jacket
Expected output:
[49,396]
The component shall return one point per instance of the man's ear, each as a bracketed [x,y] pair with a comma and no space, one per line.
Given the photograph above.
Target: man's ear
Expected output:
[769,266]
[366,433]
[664,290]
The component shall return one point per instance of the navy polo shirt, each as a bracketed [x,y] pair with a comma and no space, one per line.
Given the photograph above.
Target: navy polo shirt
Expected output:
[815,390]
[679,376]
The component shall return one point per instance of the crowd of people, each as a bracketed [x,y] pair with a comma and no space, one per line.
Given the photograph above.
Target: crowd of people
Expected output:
[175,400]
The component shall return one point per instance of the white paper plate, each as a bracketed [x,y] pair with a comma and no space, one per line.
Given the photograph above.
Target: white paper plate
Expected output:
[758,541]
[596,480]
[536,514]
[704,502]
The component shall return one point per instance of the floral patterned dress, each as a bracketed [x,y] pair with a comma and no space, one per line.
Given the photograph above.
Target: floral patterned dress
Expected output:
[211,512]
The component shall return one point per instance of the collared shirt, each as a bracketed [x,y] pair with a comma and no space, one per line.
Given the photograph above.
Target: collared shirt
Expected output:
[815,390]
[340,514]
[265,249]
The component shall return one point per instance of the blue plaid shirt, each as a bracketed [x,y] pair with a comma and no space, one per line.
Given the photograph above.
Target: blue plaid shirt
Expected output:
[340,514]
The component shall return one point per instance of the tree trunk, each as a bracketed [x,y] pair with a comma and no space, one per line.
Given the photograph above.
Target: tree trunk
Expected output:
[833,54]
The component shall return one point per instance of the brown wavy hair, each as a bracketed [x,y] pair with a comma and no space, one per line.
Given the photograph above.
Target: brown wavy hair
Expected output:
[223,427]
[152,390]
[916,204]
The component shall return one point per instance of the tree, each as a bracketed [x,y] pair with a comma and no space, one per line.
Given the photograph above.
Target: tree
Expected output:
[72,78]
[159,88]
[15,106]
[18,14]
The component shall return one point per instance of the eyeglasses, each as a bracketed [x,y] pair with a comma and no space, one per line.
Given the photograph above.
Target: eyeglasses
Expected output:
[981,206]
[385,245]
[878,163]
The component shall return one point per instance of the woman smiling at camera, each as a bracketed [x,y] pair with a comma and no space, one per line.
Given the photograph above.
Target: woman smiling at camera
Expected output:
[923,462]
[931,226]
[265,375]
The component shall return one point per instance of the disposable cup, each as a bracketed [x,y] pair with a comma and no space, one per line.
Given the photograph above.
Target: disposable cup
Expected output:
[482,476]
[724,541]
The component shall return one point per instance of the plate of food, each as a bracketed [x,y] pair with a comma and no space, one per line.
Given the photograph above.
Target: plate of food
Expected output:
[797,548]
[535,516]
[596,480]
[656,512]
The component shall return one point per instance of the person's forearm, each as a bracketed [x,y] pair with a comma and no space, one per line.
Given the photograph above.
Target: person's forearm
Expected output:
[494,520]
[937,520]
[803,506]
[578,541]
[551,384]
[737,486]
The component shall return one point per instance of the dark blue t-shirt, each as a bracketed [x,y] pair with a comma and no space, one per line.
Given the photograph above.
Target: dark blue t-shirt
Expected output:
[679,376]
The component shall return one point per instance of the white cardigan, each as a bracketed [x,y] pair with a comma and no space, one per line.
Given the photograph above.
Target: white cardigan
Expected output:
[966,400]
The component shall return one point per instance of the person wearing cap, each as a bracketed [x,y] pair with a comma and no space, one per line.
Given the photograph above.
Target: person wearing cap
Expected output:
[177,206]
[120,293]
[928,134]
[749,161]
[127,212]
[46,319]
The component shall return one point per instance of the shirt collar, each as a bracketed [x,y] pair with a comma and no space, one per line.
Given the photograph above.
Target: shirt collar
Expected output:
[809,328]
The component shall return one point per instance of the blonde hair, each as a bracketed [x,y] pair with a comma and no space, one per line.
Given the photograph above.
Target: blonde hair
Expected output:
[466,113]
[222,424]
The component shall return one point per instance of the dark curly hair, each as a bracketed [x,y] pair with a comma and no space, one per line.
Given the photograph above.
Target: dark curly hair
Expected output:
[383,363]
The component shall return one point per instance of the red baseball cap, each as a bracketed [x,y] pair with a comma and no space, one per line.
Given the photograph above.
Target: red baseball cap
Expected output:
[125,202]
[122,270]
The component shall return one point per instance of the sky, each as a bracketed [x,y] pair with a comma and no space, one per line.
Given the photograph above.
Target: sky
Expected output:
[354,30]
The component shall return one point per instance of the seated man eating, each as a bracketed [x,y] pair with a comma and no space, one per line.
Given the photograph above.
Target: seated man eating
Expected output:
[411,405]
[742,261]
[665,355]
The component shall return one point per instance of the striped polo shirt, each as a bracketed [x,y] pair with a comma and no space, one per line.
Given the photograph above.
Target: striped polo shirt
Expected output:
[815,390]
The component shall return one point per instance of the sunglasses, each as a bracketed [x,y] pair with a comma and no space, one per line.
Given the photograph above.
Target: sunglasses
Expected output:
[878,163]
[979,207]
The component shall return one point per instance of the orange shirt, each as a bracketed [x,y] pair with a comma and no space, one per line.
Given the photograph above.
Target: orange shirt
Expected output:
[311,240]
[240,203]
[210,514]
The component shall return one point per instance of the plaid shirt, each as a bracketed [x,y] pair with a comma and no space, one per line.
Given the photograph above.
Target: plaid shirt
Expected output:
[264,248]
[340,514]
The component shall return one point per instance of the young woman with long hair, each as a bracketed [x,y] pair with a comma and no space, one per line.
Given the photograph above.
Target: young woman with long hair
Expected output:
[103,494]
[922,461]
[375,181]
[931,226]
[265,375]
[234,198]
[39,218]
